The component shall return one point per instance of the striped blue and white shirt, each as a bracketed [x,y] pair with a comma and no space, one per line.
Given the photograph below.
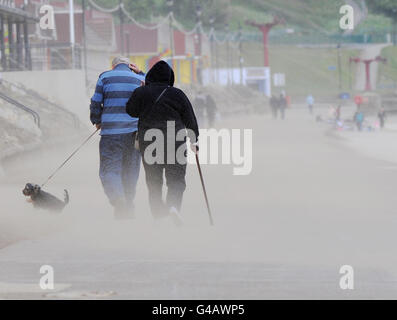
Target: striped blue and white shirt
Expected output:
[113,90]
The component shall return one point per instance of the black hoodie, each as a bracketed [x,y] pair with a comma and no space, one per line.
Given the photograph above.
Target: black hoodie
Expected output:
[172,106]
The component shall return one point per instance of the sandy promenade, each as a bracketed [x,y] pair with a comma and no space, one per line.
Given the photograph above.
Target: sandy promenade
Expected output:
[310,205]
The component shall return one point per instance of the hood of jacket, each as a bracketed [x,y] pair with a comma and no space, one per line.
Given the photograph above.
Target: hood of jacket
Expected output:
[162,73]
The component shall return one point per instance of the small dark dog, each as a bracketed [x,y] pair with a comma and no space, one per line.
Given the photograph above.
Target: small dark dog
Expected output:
[44,200]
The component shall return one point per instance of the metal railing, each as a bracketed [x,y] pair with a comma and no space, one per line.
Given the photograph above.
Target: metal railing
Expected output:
[55,56]
[38,96]
[34,114]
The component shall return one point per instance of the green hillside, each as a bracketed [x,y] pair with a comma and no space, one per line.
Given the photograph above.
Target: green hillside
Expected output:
[306,69]
[309,15]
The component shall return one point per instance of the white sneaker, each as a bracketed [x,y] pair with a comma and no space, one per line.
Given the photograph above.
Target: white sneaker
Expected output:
[175,216]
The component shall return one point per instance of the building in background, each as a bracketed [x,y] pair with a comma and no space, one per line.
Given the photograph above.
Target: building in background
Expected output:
[188,52]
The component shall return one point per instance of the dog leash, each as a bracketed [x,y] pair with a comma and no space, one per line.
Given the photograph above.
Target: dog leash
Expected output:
[74,152]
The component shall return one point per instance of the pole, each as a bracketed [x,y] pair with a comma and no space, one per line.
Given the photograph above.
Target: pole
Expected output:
[350,73]
[265,29]
[11,47]
[227,55]
[84,45]
[28,57]
[204,190]
[71,31]
[121,27]
[231,66]
[216,62]
[265,32]
[127,43]
[2,45]
[200,61]
[367,75]
[212,56]
[339,67]
[19,45]
[240,50]
[171,38]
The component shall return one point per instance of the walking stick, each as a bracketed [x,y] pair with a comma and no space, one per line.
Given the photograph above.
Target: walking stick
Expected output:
[204,190]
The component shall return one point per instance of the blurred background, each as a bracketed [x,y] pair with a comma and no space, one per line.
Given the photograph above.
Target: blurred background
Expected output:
[290,47]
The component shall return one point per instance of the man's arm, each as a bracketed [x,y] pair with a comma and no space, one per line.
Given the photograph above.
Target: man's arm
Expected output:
[96,105]
[135,68]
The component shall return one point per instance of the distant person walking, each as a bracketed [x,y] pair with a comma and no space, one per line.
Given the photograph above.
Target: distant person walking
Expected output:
[119,161]
[199,105]
[359,119]
[166,110]
[382,117]
[310,103]
[211,110]
[282,104]
[338,112]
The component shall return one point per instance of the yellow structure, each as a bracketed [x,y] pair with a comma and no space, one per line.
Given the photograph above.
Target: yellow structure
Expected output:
[184,66]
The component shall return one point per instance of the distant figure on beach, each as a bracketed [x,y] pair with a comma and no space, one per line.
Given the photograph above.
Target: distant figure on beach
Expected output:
[282,104]
[338,113]
[310,103]
[199,105]
[359,119]
[211,110]
[382,117]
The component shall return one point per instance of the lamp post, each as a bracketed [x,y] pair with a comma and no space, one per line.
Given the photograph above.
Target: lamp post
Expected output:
[84,44]
[127,43]
[170,4]
[198,30]
[339,67]
[71,31]
[211,21]
[121,17]
[240,50]
[227,53]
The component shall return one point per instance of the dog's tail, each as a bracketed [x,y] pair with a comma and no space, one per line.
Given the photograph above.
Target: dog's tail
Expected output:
[66,197]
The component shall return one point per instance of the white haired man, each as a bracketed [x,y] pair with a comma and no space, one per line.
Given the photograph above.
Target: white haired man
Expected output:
[119,161]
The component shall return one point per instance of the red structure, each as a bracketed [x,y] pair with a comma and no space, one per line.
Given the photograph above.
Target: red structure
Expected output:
[367,63]
[265,29]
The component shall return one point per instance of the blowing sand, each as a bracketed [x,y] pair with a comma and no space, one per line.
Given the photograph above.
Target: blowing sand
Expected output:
[309,206]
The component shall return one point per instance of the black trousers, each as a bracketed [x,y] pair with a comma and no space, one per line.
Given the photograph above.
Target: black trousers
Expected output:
[174,174]
[176,185]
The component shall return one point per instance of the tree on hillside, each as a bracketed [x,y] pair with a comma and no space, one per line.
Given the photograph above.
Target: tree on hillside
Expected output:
[184,10]
[387,8]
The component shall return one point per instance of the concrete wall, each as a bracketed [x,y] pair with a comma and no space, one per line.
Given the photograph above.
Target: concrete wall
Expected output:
[66,87]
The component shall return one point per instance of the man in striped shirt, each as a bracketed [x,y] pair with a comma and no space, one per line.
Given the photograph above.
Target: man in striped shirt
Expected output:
[119,160]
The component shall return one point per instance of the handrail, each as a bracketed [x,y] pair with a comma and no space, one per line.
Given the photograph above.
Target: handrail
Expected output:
[35,94]
[36,116]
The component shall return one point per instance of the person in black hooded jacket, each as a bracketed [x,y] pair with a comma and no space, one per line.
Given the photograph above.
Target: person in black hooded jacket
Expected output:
[160,106]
